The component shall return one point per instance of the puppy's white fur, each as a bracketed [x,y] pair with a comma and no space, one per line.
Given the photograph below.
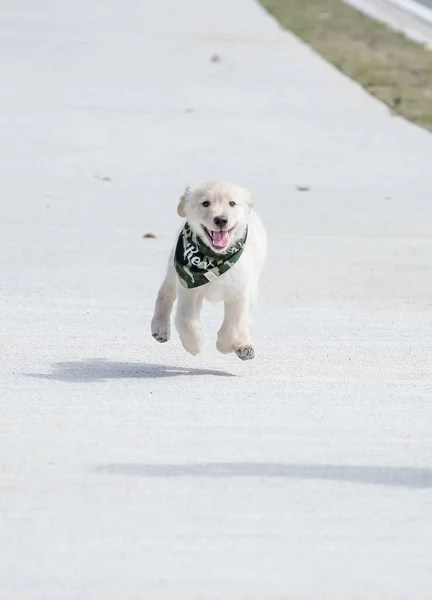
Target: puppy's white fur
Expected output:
[237,288]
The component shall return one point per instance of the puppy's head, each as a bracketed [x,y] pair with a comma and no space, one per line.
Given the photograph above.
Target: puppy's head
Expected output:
[217,211]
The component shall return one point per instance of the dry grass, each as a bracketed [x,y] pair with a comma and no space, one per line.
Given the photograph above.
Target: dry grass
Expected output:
[388,65]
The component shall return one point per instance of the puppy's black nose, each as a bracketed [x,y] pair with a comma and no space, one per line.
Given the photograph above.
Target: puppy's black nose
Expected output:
[220,221]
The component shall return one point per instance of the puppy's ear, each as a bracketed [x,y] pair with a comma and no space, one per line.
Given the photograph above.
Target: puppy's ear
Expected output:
[181,205]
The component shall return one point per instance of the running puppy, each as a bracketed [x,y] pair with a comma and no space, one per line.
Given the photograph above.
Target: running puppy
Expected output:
[219,256]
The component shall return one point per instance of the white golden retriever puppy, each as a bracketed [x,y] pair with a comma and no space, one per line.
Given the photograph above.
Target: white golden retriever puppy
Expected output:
[219,256]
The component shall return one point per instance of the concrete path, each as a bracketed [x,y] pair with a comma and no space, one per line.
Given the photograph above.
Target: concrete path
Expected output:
[411,17]
[132,471]
[427,3]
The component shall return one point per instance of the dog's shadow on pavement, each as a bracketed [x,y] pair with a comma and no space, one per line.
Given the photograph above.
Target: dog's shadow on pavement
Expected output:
[100,370]
[405,477]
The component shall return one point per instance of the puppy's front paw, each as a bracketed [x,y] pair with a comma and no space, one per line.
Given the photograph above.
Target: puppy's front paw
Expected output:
[245,352]
[160,331]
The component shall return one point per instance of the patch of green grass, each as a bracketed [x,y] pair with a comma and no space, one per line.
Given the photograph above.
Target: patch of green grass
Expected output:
[388,65]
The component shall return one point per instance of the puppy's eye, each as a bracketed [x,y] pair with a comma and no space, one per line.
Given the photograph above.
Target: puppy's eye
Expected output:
[232,203]
[206,203]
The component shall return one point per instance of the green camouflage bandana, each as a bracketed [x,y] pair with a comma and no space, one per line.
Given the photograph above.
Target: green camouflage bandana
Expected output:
[195,262]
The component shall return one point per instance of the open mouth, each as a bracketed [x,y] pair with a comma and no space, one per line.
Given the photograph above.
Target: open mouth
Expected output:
[220,238]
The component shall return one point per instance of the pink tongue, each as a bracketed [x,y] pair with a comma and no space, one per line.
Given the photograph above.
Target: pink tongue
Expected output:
[220,238]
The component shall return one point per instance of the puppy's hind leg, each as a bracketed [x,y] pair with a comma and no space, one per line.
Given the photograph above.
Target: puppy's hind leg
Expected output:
[234,334]
[187,320]
[160,325]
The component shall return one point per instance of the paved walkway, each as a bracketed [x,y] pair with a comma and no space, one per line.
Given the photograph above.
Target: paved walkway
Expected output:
[427,3]
[131,471]
[412,17]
